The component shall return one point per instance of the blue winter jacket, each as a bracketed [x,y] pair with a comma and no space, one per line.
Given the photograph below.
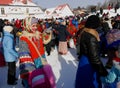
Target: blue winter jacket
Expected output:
[75,22]
[8,46]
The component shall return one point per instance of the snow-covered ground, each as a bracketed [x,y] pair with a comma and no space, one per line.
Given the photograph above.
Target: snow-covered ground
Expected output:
[63,66]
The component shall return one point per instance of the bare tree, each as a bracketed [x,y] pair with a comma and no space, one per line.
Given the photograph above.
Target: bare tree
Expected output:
[114,2]
[91,8]
[79,7]
[88,8]
[105,5]
[98,6]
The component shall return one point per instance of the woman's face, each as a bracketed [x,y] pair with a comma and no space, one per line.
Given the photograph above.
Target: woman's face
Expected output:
[34,27]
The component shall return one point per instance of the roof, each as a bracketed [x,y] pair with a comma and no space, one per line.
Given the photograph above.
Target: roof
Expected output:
[50,11]
[7,2]
[60,10]
[60,7]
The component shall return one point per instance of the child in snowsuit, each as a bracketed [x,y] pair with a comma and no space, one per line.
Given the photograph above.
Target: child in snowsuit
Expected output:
[113,77]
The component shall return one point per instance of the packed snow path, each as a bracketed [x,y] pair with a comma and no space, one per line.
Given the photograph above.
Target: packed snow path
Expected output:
[64,68]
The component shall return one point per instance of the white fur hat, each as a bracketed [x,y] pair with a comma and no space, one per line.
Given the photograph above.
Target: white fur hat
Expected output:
[8,28]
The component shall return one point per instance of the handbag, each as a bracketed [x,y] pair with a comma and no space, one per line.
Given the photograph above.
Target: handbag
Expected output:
[41,60]
[42,78]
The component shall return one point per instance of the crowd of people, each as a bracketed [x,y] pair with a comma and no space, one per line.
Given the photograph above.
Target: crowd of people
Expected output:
[94,37]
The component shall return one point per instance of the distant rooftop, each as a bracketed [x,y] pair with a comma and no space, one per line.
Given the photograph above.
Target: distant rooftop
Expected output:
[7,2]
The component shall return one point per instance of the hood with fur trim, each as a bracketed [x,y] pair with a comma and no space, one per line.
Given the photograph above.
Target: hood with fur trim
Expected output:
[8,28]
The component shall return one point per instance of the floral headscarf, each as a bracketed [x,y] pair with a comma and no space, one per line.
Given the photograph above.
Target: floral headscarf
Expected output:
[27,22]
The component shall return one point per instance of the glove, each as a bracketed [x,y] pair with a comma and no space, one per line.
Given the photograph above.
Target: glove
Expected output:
[101,69]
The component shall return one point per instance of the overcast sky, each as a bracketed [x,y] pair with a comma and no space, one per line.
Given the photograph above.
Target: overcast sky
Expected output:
[72,3]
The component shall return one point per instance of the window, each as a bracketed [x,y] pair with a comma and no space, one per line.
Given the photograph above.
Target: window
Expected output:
[2,11]
[27,10]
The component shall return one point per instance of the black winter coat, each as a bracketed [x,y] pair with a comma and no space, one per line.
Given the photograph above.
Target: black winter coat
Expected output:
[63,33]
[89,46]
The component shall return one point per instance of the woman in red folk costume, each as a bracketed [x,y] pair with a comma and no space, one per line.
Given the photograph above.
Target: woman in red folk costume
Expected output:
[71,28]
[31,49]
